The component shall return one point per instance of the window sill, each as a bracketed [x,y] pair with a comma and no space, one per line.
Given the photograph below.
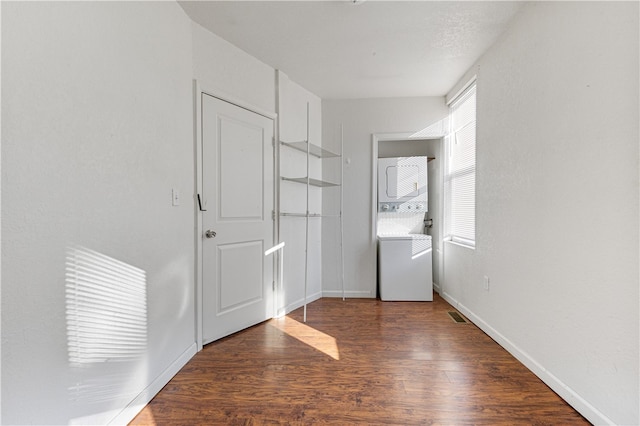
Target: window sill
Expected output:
[459,244]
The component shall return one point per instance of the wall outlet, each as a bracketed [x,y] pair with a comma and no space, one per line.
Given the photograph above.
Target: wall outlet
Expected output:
[486,283]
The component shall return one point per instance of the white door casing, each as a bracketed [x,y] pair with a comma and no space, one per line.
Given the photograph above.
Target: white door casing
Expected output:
[237,197]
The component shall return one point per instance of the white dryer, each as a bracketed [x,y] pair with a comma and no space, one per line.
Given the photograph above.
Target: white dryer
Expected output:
[405,267]
[402,185]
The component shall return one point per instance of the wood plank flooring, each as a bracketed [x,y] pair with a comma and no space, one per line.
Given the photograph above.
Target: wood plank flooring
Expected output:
[359,361]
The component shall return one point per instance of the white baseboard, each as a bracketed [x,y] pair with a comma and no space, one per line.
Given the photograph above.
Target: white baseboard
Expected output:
[298,304]
[139,402]
[329,293]
[436,287]
[569,395]
[352,294]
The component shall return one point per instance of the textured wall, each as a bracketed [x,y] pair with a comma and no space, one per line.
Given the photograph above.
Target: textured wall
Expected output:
[226,70]
[360,119]
[557,202]
[97,130]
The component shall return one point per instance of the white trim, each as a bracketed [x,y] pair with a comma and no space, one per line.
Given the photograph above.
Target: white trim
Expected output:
[197,134]
[375,139]
[402,136]
[440,243]
[463,89]
[298,304]
[139,402]
[459,243]
[353,294]
[279,258]
[219,94]
[590,412]
[341,210]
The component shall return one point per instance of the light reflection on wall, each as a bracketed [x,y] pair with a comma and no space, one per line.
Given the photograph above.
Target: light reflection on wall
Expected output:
[106,308]
[435,130]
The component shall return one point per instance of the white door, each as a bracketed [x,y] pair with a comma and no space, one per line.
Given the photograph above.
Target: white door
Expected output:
[237,185]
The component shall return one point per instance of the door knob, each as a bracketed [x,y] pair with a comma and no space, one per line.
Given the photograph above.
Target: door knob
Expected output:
[210,234]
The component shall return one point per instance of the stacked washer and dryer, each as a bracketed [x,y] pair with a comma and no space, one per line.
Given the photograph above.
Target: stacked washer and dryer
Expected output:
[404,251]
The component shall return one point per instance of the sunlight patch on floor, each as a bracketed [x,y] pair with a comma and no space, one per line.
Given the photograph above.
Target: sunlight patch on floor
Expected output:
[308,335]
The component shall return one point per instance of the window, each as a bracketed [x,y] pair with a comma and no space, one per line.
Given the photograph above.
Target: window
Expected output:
[460,172]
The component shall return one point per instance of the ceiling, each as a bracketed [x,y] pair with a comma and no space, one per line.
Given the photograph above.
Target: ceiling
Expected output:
[341,49]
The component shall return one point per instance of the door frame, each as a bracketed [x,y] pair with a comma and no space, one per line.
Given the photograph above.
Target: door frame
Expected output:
[407,136]
[198,91]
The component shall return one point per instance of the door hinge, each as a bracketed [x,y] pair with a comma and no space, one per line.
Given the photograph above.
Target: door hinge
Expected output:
[273,215]
[273,285]
[273,142]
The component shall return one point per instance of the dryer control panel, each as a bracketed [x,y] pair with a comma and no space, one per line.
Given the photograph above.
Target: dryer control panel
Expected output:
[403,207]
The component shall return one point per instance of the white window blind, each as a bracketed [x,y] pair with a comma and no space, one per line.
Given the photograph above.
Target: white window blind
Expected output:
[460,177]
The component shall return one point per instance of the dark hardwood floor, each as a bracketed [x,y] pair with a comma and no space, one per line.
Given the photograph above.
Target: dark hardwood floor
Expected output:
[359,361]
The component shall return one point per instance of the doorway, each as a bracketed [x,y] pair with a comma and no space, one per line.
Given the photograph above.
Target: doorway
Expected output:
[404,145]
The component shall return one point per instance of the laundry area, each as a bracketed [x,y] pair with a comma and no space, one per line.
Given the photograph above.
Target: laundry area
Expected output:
[405,220]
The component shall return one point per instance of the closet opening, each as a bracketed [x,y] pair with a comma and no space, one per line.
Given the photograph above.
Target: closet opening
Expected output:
[429,222]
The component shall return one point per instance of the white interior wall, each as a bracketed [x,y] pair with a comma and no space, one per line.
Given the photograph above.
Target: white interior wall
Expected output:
[360,119]
[97,130]
[403,148]
[226,71]
[292,115]
[557,203]
[0,228]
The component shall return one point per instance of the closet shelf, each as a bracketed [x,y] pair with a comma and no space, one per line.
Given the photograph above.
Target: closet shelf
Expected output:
[310,150]
[288,214]
[312,182]
[314,150]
